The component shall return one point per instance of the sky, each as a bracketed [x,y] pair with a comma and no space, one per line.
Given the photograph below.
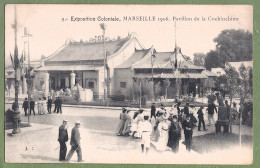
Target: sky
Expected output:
[49,32]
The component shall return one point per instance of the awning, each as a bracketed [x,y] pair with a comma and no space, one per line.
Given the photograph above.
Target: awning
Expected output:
[68,68]
[172,76]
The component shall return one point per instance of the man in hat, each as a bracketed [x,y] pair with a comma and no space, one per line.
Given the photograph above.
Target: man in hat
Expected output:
[211,108]
[192,117]
[75,142]
[174,134]
[25,106]
[59,104]
[201,119]
[187,126]
[186,109]
[32,105]
[55,105]
[153,110]
[49,104]
[63,138]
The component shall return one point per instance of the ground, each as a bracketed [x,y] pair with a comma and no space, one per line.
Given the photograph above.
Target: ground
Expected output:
[38,143]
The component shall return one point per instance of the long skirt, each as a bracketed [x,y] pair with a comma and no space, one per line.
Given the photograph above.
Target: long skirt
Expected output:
[126,127]
[162,141]
[146,140]
[121,127]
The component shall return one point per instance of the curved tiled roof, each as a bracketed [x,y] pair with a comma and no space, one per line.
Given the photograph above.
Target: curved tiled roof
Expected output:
[87,51]
[138,55]
[163,60]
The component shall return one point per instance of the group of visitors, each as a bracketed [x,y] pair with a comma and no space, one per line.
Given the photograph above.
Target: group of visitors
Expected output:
[164,126]
[43,106]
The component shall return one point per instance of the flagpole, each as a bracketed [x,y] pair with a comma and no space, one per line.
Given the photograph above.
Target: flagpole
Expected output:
[16,116]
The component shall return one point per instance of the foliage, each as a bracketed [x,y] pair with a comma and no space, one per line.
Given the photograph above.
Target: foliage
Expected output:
[9,114]
[166,84]
[212,60]
[146,88]
[118,97]
[231,46]
[158,90]
[199,59]
[77,95]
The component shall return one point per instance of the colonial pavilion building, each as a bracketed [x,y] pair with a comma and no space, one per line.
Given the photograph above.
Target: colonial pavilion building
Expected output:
[125,61]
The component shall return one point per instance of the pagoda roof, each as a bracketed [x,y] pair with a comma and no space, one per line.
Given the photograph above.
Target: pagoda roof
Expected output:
[163,60]
[172,76]
[80,51]
[136,56]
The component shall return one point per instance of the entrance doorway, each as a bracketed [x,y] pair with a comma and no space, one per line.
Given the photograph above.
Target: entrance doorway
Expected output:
[192,88]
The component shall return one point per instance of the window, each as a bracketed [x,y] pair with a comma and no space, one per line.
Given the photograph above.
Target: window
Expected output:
[91,85]
[123,84]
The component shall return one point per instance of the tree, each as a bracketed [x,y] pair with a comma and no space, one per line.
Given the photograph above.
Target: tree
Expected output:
[232,85]
[166,84]
[77,95]
[234,45]
[231,46]
[212,60]
[199,59]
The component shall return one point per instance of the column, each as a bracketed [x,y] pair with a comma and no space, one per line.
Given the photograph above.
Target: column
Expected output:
[47,83]
[72,79]
[67,82]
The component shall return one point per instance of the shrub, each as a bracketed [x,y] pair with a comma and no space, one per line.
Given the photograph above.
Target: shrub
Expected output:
[9,116]
[118,97]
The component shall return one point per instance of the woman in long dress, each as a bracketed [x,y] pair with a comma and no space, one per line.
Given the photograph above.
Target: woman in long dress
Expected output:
[121,125]
[127,124]
[44,105]
[40,106]
[163,129]
[139,120]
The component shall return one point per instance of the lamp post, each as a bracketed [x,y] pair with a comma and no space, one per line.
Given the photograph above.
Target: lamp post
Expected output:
[103,27]
[17,70]
[152,63]
[28,72]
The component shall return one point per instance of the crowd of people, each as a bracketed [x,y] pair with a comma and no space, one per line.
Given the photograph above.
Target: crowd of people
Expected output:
[164,126]
[43,106]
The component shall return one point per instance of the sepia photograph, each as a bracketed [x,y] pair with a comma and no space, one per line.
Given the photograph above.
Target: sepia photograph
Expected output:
[128,84]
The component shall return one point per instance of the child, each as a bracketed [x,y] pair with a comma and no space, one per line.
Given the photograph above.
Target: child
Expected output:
[146,129]
[201,119]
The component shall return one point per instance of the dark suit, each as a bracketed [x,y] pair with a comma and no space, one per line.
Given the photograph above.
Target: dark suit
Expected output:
[188,133]
[174,136]
[201,119]
[25,107]
[63,138]
[59,104]
[49,105]
[186,110]
[75,144]
[32,104]
[153,110]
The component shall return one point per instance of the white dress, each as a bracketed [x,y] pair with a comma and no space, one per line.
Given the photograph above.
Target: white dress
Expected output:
[146,133]
[140,119]
[163,128]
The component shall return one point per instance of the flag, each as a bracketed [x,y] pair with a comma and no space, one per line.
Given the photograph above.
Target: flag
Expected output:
[21,61]
[12,60]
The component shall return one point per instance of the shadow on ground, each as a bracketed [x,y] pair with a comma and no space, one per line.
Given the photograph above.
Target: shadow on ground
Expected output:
[34,157]
[211,142]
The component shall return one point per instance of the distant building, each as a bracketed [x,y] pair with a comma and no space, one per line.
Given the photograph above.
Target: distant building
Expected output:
[83,63]
[126,60]
[218,71]
[139,65]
